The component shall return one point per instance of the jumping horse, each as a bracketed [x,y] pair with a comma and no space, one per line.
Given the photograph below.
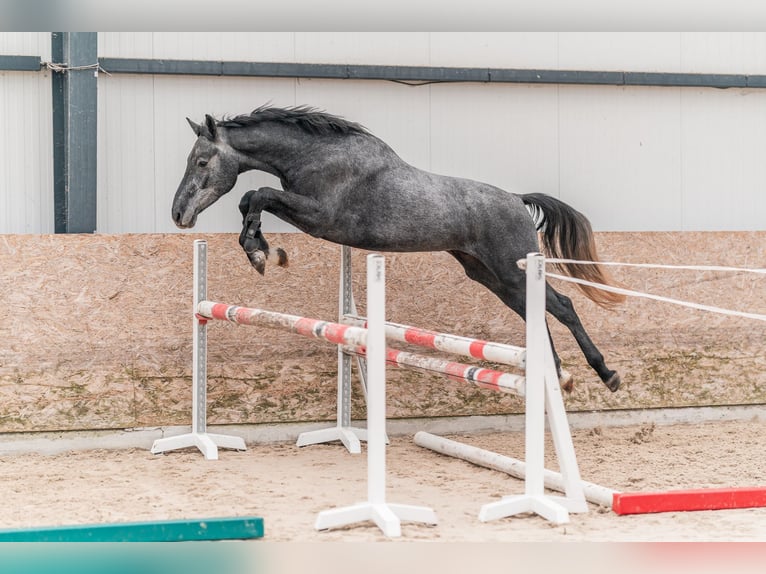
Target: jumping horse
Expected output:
[343,184]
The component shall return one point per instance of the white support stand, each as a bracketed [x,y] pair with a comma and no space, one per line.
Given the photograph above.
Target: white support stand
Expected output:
[342,431]
[386,516]
[206,442]
[542,391]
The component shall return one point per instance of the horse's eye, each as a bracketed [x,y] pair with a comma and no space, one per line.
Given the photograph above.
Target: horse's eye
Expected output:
[202,163]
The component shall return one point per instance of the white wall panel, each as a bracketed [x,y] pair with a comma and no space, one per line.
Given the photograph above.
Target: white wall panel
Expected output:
[26,44]
[494,49]
[389,48]
[504,135]
[620,152]
[233,46]
[620,51]
[126,44]
[631,158]
[126,193]
[26,168]
[722,160]
[723,52]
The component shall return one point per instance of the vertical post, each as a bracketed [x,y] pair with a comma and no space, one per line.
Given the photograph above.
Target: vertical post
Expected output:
[199,333]
[376,379]
[342,431]
[206,442]
[75,113]
[534,499]
[386,516]
[345,304]
[537,335]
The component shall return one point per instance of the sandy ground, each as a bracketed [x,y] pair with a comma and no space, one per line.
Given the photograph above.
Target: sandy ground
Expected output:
[289,486]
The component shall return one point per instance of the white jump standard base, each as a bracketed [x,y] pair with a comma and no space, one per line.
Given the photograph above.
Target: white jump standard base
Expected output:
[387,517]
[542,505]
[207,443]
[349,436]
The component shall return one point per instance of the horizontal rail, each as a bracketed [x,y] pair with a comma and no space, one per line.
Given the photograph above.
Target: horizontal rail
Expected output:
[466,346]
[354,340]
[481,377]
[331,332]
[594,493]
[14,63]
[428,74]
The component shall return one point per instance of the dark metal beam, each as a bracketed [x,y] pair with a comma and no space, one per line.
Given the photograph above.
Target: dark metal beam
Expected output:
[428,74]
[20,63]
[75,114]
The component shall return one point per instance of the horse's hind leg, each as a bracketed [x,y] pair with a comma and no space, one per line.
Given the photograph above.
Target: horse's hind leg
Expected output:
[514,298]
[560,306]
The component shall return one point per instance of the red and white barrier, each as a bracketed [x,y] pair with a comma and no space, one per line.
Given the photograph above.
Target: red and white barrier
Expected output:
[688,500]
[540,388]
[620,502]
[466,346]
[479,376]
[325,330]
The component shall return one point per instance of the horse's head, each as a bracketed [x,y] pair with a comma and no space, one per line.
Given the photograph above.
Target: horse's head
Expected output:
[211,171]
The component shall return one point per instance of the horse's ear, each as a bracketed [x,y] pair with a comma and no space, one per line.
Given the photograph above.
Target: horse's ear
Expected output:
[211,127]
[196,127]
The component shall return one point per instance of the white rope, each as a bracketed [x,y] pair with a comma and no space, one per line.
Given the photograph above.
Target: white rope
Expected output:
[660,266]
[62,68]
[631,293]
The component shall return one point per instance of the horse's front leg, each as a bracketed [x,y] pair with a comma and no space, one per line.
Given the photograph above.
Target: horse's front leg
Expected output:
[300,211]
[251,239]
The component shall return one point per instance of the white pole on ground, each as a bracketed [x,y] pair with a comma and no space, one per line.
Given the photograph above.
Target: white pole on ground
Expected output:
[533,499]
[342,431]
[386,516]
[594,493]
[199,437]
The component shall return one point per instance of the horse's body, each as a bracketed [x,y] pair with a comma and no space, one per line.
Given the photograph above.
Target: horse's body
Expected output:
[342,184]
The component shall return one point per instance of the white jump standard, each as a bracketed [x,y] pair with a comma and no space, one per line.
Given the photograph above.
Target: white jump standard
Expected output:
[386,516]
[207,442]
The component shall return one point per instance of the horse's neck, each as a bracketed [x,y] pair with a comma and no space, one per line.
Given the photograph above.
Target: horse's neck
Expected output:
[273,149]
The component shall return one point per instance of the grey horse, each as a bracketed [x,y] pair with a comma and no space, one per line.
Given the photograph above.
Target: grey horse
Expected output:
[343,184]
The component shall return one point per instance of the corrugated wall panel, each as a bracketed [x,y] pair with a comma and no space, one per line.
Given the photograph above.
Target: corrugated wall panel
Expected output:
[722,163]
[620,51]
[723,52]
[26,44]
[494,49]
[505,135]
[620,155]
[386,48]
[631,158]
[126,155]
[26,169]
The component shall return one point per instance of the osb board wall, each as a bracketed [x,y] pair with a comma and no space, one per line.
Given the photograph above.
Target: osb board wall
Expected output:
[97,330]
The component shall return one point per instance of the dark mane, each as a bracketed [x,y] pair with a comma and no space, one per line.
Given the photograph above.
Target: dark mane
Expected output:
[307,118]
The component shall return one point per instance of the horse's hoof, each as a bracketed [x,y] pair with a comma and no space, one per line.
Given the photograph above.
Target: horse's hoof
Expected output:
[257,260]
[282,257]
[614,382]
[566,381]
